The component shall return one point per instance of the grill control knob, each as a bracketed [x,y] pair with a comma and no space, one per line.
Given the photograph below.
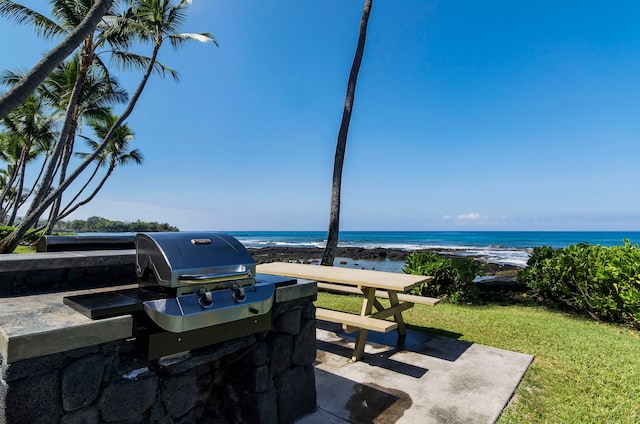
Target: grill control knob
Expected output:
[205,298]
[238,294]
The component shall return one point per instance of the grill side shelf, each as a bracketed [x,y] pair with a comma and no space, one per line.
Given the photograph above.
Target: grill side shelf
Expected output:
[104,304]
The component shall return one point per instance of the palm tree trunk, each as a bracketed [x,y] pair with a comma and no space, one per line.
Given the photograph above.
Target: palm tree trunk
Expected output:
[63,137]
[5,197]
[334,214]
[64,163]
[68,211]
[20,187]
[36,181]
[27,85]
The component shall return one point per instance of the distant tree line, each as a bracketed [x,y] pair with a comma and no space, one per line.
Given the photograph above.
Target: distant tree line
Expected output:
[95,224]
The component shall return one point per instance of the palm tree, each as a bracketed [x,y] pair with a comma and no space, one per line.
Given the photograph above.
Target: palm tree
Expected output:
[10,152]
[334,214]
[116,154]
[99,91]
[152,20]
[18,93]
[31,126]
[67,14]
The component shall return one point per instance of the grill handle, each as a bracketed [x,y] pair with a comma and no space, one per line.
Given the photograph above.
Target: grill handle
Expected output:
[212,278]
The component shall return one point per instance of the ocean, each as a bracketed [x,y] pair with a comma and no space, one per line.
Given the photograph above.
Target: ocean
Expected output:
[501,247]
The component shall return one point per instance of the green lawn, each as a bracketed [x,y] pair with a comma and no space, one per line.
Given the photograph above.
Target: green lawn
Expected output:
[583,371]
[24,249]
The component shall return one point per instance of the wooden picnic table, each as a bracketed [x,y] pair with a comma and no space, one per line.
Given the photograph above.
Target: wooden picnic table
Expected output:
[371,284]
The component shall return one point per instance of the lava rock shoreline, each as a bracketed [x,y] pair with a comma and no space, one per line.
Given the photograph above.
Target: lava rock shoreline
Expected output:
[314,254]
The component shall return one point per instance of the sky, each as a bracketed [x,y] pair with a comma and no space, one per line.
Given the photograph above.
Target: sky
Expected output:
[493,115]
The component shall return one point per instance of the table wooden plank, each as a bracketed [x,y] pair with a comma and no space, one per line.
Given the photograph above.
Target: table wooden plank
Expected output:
[422,300]
[355,322]
[356,277]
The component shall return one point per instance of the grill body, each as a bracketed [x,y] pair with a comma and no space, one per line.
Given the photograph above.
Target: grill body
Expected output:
[194,289]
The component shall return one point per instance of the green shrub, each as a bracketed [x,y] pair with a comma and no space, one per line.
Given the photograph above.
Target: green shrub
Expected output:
[601,281]
[452,277]
[533,276]
[5,230]
[33,236]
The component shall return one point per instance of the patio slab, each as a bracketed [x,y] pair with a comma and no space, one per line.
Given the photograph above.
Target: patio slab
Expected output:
[432,379]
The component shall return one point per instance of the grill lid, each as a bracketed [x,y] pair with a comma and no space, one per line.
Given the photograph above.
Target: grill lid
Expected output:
[182,258]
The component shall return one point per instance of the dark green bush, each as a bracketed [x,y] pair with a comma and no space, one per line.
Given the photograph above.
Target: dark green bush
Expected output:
[601,281]
[5,230]
[452,277]
[33,236]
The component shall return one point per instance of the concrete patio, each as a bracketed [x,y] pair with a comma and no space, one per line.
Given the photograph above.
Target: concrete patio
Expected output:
[432,379]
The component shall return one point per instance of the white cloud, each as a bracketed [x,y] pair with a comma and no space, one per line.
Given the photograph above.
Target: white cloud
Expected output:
[469,216]
[447,217]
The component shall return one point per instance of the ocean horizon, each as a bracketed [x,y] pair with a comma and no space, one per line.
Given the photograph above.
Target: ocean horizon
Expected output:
[501,247]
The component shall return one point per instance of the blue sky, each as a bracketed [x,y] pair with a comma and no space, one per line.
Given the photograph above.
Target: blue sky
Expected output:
[494,115]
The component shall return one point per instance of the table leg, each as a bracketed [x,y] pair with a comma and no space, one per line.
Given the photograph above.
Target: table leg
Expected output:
[402,330]
[367,307]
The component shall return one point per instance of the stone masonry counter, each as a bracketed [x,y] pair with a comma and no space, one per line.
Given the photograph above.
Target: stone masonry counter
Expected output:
[32,326]
[58,366]
[64,271]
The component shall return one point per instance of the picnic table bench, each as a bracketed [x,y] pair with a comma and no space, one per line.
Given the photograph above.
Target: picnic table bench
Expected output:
[372,285]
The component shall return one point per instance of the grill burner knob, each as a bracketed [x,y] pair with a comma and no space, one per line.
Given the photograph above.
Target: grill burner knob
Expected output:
[205,298]
[238,293]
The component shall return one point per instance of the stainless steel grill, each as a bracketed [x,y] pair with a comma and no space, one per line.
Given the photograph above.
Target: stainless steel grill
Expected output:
[211,274]
[194,289]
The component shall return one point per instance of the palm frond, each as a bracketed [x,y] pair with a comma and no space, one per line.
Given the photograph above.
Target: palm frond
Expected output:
[44,26]
[128,61]
[9,77]
[70,12]
[177,40]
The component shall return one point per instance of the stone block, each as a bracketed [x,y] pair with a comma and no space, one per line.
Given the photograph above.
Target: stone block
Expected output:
[304,346]
[261,380]
[266,407]
[296,394]
[31,367]
[34,400]
[260,354]
[309,311]
[81,381]
[88,415]
[281,349]
[188,418]
[128,399]
[158,415]
[289,321]
[179,393]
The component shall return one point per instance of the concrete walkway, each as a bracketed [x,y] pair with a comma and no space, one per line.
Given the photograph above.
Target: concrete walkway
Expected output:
[432,379]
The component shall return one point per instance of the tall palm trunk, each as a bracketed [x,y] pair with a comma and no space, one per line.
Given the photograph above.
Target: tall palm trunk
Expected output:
[5,197]
[69,210]
[10,242]
[27,85]
[70,118]
[334,213]
[23,166]
[64,163]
